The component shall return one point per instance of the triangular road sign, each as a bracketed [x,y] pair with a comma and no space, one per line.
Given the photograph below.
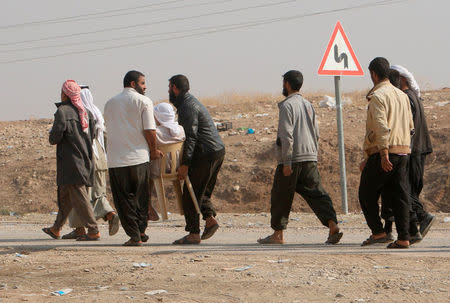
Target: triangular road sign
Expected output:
[339,58]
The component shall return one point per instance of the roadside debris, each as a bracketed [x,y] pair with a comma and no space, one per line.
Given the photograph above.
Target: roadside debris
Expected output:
[141,265]
[330,102]
[156,292]
[239,269]
[62,292]
[279,261]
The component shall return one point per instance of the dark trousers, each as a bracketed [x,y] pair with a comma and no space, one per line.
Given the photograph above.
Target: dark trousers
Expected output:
[416,171]
[305,180]
[203,176]
[129,186]
[415,180]
[75,197]
[374,180]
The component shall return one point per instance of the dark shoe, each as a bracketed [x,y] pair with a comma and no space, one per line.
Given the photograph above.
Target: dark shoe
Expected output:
[113,225]
[49,232]
[132,243]
[185,240]
[74,234]
[89,237]
[416,238]
[425,224]
[334,238]
[209,231]
[144,238]
[395,245]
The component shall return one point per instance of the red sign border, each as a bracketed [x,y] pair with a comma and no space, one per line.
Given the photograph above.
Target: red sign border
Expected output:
[321,71]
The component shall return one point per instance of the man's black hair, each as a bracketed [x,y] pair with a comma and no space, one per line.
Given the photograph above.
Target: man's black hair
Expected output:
[294,78]
[181,82]
[380,66]
[132,75]
[394,77]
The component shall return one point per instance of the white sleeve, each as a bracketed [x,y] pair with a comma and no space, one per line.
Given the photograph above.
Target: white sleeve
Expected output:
[148,120]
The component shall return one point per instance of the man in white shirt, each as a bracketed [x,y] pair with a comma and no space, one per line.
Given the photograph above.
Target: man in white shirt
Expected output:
[131,143]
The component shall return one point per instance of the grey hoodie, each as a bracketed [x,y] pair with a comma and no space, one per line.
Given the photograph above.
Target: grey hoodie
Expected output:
[298,131]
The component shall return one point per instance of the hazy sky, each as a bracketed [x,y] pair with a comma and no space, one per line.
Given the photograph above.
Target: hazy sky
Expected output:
[246,59]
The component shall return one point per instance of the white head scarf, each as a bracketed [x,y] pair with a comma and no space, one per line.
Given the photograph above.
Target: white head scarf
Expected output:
[88,102]
[409,77]
[165,115]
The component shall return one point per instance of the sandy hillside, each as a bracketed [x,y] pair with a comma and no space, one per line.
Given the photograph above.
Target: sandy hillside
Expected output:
[28,164]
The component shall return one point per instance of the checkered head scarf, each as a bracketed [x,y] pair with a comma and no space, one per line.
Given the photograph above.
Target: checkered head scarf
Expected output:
[72,90]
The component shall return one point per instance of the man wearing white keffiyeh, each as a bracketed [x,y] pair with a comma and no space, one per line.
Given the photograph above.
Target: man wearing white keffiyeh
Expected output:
[420,148]
[97,193]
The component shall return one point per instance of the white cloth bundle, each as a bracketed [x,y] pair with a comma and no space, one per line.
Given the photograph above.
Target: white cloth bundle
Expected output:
[165,115]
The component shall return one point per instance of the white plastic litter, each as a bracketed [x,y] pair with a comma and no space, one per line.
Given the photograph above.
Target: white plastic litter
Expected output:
[141,265]
[242,268]
[279,261]
[447,219]
[330,102]
[442,103]
[156,292]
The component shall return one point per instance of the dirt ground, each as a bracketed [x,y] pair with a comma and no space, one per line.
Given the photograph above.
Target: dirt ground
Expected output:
[28,163]
[230,267]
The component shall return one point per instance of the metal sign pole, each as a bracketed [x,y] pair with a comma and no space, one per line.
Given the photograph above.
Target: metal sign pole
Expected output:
[340,128]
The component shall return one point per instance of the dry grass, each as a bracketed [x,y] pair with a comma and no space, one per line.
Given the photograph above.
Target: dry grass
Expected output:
[254,102]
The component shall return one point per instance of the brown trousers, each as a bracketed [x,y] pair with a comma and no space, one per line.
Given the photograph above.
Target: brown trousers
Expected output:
[75,197]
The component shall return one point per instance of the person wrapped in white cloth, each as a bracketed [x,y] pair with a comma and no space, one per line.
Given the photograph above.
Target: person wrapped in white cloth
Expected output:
[167,131]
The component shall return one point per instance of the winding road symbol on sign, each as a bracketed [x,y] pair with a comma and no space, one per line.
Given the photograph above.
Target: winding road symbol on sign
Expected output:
[338,58]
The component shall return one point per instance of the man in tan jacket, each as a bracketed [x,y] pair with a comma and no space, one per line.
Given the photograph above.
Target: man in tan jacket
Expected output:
[386,152]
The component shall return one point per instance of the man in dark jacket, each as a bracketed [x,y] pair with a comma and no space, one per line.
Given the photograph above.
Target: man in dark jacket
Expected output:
[72,132]
[420,147]
[203,155]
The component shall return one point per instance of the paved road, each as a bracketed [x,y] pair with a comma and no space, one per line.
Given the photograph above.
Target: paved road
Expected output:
[238,236]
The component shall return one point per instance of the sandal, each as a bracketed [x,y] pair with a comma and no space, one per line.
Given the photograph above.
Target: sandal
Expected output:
[209,231]
[88,237]
[185,240]
[144,238]
[334,238]
[132,243]
[49,232]
[396,245]
[113,225]
[74,234]
[270,240]
[371,240]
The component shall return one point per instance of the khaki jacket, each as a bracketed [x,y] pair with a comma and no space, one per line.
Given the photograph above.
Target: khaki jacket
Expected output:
[389,121]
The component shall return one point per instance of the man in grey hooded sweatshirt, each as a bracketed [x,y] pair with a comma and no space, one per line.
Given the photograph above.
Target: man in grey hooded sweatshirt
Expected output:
[297,145]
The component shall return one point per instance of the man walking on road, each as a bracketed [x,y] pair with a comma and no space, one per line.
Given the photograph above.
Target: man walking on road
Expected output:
[131,144]
[73,133]
[297,145]
[420,147]
[97,193]
[203,155]
[386,149]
